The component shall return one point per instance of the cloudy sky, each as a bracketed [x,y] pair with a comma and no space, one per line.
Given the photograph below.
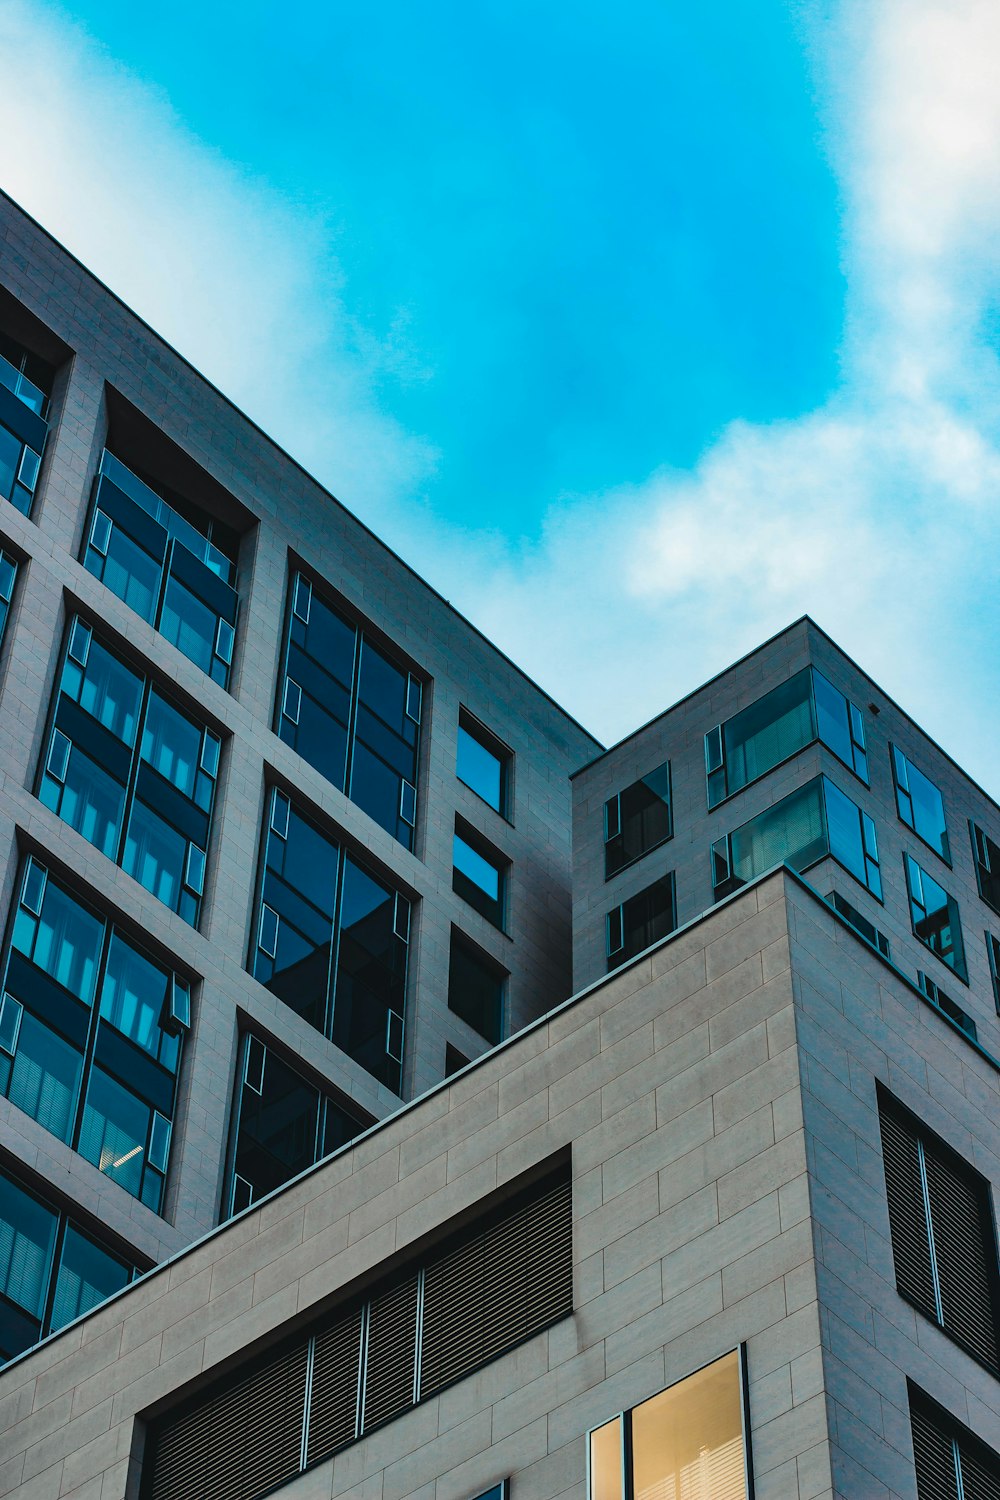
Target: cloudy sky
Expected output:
[639,329]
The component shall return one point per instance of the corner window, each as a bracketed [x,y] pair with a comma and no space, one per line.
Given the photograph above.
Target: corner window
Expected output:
[476,989]
[90,1035]
[920,804]
[791,716]
[131,772]
[987,858]
[641,921]
[351,710]
[935,918]
[637,820]
[483,763]
[480,877]
[688,1440]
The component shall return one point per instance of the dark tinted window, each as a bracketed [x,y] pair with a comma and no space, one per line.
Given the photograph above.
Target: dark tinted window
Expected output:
[480,878]
[920,804]
[637,820]
[642,920]
[8,578]
[987,856]
[476,989]
[483,763]
[935,917]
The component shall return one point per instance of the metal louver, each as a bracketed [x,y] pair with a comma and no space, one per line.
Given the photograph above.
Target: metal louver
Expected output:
[950,1461]
[961,1237]
[333,1402]
[392,1352]
[933,1457]
[907,1218]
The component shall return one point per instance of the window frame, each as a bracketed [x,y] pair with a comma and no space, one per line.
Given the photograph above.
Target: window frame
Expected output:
[902,767]
[496,910]
[613,817]
[916,899]
[485,738]
[461,941]
[615,921]
[982,857]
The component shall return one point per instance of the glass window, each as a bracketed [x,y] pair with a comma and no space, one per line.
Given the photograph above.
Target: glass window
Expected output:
[480,878]
[476,989]
[454,1060]
[815,820]
[8,578]
[331,940]
[947,1006]
[350,710]
[100,1076]
[787,719]
[131,772]
[637,820]
[935,918]
[177,572]
[993,954]
[987,858]
[641,921]
[920,804]
[861,924]
[688,1441]
[23,432]
[483,763]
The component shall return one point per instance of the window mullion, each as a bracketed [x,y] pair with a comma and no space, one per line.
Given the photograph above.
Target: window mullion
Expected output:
[133,774]
[331,977]
[956,1454]
[628,1488]
[352,717]
[53,1276]
[90,1046]
[307,1402]
[925,1192]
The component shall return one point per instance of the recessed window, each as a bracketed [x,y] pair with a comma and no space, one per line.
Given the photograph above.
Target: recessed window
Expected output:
[8,578]
[637,820]
[920,804]
[688,1440]
[860,923]
[476,989]
[935,918]
[484,763]
[454,1061]
[641,921]
[993,953]
[25,388]
[480,878]
[946,1005]
[987,857]
[952,1463]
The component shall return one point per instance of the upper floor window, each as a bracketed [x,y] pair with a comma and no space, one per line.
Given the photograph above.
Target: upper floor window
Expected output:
[815,820]
[90,1035]
[641,921]
[350,710]
[787,719]
[690,1440]
[332,940]
[637,820]
[920,804]
[993,953]
[8,578]
[52,1270]
[476,988]
[951,1462]
[479,876]
[282,1124]
[178,571]
[935,918]
[25,384]
[27,376]
[484,763]
[860,923]
[946,1005]
[131,772]
[987,856]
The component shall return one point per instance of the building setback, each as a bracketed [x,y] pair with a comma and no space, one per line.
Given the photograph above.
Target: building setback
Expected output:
[401,1096]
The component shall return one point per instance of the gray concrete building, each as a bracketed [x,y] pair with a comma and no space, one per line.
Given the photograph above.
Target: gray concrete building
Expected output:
[322,1171]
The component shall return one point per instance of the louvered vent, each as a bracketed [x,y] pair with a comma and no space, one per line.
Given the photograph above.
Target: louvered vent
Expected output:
[933,1457]
[962,1240]
[240,1443]
[333,1405]
[392,1352]
[907,1219]
[978,1482]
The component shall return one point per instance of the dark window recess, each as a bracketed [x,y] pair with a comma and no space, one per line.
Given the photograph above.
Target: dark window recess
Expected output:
[177,570]
[350,710]
[454,1061]
[941,1224]
[90,1035]
[331,940]
[951,1462]
[131,772]
[935,918]
[815,820]
[860,923]
[641,921]
[636,820]
[993,953]
[479,876]
[484,763]
[282,1124]
[52,1270]
[791,716]
[8,578]
[476,989]
[987,857]
[920,804]
[954,1012]
[25,387]
[506,1279]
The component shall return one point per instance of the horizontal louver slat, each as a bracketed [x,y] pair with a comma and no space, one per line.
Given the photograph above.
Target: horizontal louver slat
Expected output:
[933,1459]
[907,1219]
[978,1482]
[333,1405]
[392,1350]
[962,1239]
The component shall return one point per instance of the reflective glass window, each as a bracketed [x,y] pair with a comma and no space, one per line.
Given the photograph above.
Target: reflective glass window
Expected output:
[935,918]
[993,954]
[23,432]
[920,804]
[987,857]
[480,878]
[641,921]
[483,763]
[637,819]
[476,989]
[350,710]
[944,1003]
[8,578]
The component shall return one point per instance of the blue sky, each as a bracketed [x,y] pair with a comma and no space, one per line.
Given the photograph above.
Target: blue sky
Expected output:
[640,330]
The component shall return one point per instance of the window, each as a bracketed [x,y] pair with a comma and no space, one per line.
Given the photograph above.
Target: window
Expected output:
[498,1492]
[941,1224]
[51,1269]
[500,1280]
[787,719]
[177,571]
[947,1006]
[993,953]
[8,578]
[987,858]
[454,1061]
[476,989]
[637,820]
[641,921]
[350,710]
[90,1035]
[951,1462]
[480,877]
[689,1441]
[814,821]
[860,923]
[920,804]
[483,764]
[935,919]
[282,1124]
[331,940]
[131,772]
[25,383]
